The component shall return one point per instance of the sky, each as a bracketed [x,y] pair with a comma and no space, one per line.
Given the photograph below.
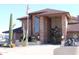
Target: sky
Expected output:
[19,10]
[16,10]
[39,1]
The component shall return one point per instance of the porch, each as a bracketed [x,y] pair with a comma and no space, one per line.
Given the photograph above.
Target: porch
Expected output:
[54,28]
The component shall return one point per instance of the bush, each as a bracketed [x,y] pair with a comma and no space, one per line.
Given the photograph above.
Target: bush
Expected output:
[55,37]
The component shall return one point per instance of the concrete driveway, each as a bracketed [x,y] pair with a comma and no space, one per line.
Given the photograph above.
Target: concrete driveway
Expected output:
[67,50]
[40,50]
[30,50]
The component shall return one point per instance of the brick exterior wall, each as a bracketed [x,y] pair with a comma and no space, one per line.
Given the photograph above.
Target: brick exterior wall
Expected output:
[64,26]
[42,37]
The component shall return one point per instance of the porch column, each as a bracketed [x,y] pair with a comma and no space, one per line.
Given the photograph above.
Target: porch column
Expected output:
[42,29]
[64,27]
[29,27]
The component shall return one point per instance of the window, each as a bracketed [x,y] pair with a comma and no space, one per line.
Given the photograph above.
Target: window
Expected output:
[36,24]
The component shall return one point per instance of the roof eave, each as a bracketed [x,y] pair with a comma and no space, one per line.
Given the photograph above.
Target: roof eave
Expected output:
[65,13]
[22,18]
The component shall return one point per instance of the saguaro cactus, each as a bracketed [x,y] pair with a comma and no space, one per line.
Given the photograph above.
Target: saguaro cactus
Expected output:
[25,32]
[24,36]
[10,31]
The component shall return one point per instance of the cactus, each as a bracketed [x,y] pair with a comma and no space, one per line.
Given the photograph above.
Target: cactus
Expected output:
[10,31]
[24,37]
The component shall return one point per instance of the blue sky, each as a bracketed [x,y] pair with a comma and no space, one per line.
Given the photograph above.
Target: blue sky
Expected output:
[16,10]
[19,10]
[72,8]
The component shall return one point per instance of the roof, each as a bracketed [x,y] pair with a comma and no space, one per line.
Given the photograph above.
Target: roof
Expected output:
[22,18]
[73,28]
[48,10]
[73,20]
[17,30]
